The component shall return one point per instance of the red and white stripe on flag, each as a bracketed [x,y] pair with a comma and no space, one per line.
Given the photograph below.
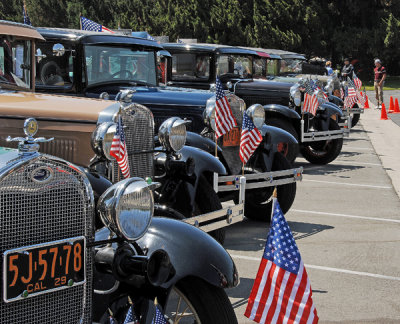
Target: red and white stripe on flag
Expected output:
[357,83]
[280,296]
[118,149]
[249,139]
[351,98]
[310,103]
[224,120]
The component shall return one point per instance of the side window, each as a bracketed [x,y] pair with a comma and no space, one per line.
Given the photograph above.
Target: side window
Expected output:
[54,68]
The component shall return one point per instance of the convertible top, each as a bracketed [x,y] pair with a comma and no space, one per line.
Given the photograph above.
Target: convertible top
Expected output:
[90,37]
[204,47]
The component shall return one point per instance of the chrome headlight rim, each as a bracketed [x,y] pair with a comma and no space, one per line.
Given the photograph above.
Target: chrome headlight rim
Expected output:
[110,208]
[172,134]
[209,113]
[257,114]
[295,93]
[102,138]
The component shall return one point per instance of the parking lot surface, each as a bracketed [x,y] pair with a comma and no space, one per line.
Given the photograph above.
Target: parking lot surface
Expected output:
[346,223]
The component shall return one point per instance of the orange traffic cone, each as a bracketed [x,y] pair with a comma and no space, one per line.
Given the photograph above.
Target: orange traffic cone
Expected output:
[366,105]
[383,112]
[396,107]
[391,105]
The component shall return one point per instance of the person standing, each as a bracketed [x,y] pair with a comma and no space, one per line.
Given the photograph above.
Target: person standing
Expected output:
[379,80]
[328,67]
[347,70]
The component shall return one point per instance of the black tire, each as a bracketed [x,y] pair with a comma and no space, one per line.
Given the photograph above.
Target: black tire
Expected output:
[323,152]
[291,150]
[258,202]
[354,120]
[207,303]
[207,201]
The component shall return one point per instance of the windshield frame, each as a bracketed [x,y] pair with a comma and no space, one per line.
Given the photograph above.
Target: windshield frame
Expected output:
[28,54]
[138,48]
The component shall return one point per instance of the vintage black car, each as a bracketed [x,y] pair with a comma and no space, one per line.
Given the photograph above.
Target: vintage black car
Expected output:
[97,65]
[320,138]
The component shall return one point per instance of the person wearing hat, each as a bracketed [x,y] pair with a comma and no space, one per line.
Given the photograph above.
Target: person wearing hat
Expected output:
[328,67]
[347,70]
[379,80]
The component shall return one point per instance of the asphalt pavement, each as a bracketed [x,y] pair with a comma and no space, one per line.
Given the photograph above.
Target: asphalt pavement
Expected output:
[346,223]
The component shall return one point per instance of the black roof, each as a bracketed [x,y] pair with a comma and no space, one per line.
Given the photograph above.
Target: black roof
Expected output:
[285,54]
[204,47]
[90,37]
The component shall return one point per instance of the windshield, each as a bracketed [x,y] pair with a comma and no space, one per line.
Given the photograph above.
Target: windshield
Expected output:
[112,64]
[15,62]
[190,66]
[264,67]
[290,66]
[238,66]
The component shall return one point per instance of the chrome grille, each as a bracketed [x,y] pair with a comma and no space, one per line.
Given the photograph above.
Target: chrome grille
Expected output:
[139,136]
[63,148]
[34,213]
[234,102]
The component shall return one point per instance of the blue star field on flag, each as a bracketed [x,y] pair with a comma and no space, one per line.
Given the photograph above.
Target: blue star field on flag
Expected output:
[159,317]
[281,247]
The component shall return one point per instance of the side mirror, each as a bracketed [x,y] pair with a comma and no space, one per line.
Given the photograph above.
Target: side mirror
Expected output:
[58,49]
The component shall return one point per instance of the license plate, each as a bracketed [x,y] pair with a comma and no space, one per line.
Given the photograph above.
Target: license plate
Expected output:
[43,268]
[232,138]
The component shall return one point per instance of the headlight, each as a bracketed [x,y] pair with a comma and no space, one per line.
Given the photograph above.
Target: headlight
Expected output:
[209,113]
[102,139]
[329,86]
[172,134]
[296,95]
[127,207]
[257,114]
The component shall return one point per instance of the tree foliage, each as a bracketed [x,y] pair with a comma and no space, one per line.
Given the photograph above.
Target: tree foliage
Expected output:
[334,29]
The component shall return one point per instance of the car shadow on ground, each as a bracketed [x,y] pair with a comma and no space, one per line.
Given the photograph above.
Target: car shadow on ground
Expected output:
[251,235]
[313,169]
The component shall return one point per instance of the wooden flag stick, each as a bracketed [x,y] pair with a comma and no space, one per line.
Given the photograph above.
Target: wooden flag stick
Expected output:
[243,169]
[216,145]
[80,20]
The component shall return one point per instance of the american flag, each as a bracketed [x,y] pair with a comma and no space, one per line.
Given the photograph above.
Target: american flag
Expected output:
[159,317]
[310,103]
[351,98]
[341,92]
[112,320]
[281,292]
[310,86]
[131,317]
[118,149]
[357,81]
[27,21]
[362,97]
[224,119]
[249,140]
[88,24]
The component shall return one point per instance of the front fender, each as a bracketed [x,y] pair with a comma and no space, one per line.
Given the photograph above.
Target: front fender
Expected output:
[180,240]
[203,143]
[277,135]
[336,100]
[331,109]
[282,110]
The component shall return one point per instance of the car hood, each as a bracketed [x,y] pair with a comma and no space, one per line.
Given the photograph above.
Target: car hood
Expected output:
[258,84]
[172,96]
[44,106]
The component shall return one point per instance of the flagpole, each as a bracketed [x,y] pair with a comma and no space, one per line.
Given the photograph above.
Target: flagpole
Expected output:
[216,145]
[243,169]
[80,20]
[274,199]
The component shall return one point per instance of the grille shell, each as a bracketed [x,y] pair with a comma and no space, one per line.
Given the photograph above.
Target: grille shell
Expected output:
[34,213]
[138,123]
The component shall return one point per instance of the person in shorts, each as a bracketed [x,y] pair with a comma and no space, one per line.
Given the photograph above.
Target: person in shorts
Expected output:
[379,80]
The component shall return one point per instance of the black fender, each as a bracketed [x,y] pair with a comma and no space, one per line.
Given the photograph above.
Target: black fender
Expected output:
[97,181]
[336,100]
[282,110]
[180,240]
[201,142]
[331,109]
[204,162]
[277,135]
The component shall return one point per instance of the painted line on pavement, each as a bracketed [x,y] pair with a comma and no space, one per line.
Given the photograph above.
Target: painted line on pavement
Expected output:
[346,215]
[347,184]
[357,162]
[358,148]
[310,266]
